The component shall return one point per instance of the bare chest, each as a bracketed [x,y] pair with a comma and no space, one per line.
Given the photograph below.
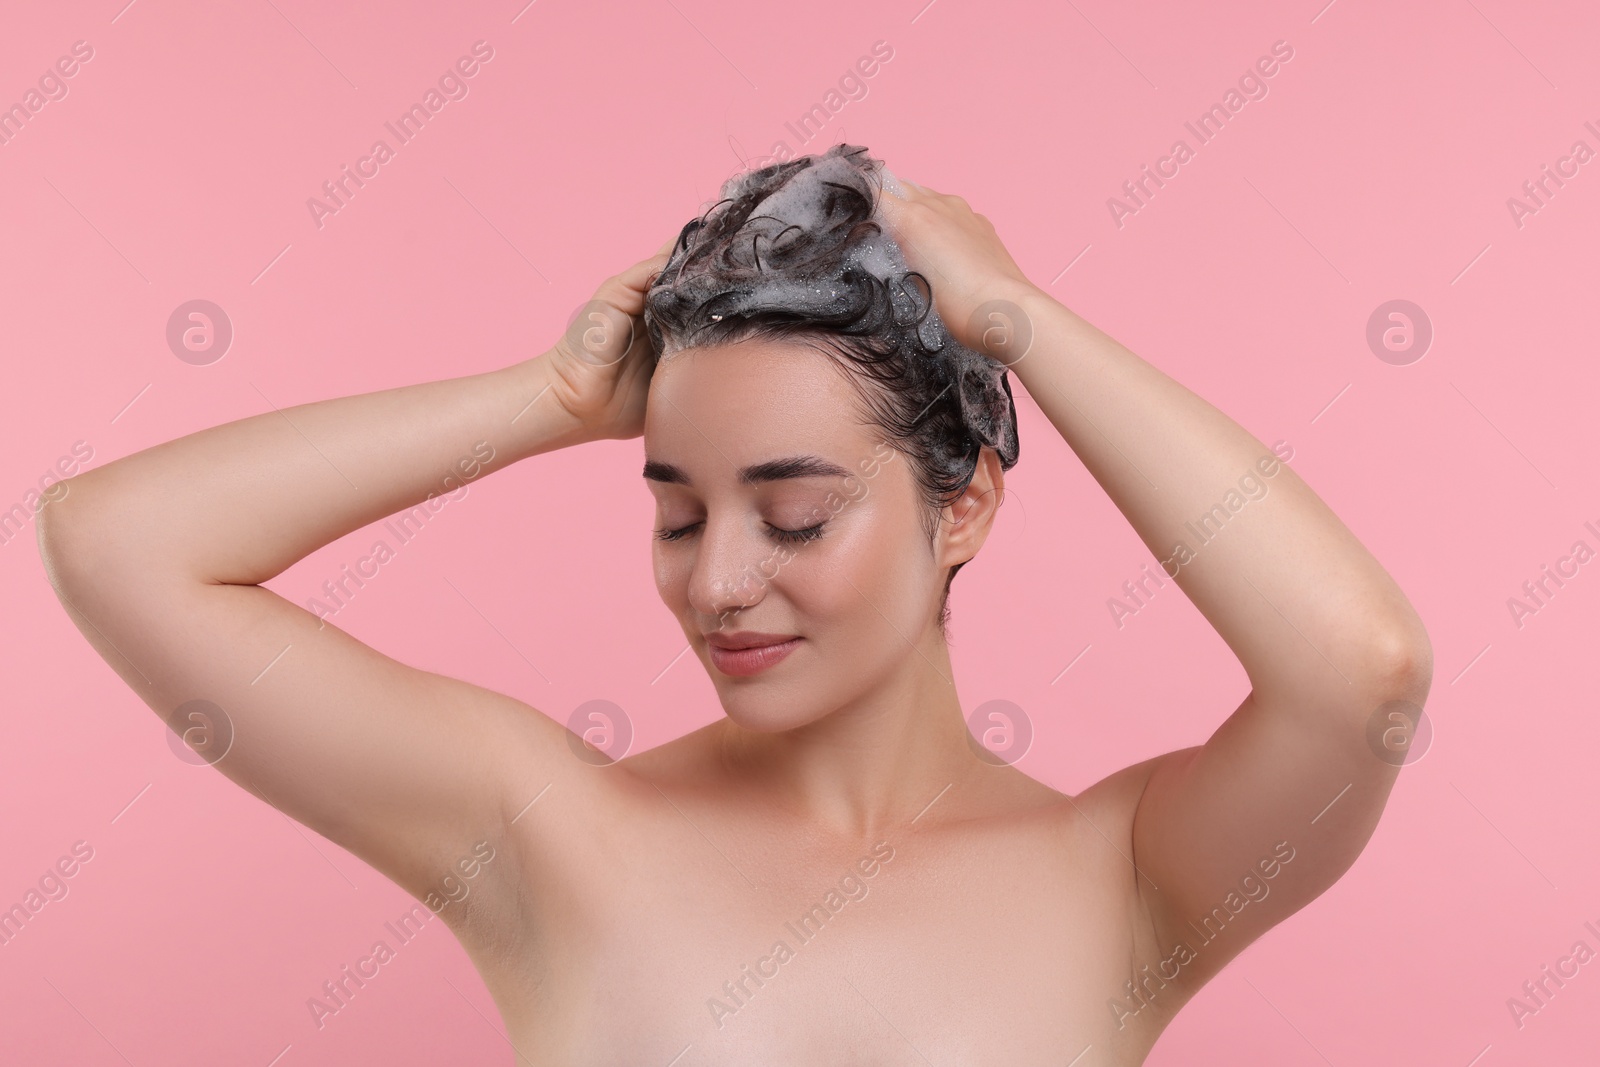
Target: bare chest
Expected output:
[713,944]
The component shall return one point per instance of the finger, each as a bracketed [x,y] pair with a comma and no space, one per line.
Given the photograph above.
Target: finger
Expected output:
[890,208]
[636,279]
[891,186]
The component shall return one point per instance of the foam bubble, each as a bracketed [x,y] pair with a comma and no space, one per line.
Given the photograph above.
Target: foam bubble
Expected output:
[805,238]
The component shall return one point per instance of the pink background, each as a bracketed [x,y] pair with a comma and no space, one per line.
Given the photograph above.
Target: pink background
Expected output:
[1378,167]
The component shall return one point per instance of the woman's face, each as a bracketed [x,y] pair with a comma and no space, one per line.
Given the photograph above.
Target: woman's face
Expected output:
[779,513]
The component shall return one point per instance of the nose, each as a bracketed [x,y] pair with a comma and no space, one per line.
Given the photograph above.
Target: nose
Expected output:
[733,566]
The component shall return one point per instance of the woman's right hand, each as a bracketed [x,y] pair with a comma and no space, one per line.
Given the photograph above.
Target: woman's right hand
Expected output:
[601,367]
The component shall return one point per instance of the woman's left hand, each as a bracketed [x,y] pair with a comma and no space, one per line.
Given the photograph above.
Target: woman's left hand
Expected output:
[958,252]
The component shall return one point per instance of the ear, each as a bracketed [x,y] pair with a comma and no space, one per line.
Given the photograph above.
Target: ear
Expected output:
[965,524]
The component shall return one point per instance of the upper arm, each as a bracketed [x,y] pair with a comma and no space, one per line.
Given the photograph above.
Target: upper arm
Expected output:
[1235,835]
[405,768]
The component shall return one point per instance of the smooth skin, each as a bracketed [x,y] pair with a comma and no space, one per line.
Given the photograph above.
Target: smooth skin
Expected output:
[976,916]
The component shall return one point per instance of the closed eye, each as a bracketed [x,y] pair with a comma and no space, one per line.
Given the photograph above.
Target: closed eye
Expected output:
[809,533]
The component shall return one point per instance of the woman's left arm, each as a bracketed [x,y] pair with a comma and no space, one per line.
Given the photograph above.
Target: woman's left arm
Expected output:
[1325,635]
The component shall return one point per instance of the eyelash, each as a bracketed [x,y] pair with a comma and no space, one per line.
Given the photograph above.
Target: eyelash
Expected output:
[810,533]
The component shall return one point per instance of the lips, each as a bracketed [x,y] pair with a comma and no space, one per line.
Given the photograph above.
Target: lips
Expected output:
[743,639]
[746,652]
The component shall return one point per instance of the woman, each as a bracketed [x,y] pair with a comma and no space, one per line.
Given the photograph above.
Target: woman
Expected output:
[831,873]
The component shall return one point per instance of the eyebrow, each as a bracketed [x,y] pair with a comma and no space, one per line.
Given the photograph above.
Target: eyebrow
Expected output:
[772,470]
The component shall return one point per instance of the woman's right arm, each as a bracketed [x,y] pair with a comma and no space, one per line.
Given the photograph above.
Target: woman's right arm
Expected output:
[158,558]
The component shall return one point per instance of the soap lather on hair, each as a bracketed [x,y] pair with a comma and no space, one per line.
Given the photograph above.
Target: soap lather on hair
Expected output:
[798,251]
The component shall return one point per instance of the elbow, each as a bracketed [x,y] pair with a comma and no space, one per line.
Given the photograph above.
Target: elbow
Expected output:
[65,534]
[47,527]
[1401,662]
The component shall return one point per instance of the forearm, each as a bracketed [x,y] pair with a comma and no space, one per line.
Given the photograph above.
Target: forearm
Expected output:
[240,502]
[1285,583]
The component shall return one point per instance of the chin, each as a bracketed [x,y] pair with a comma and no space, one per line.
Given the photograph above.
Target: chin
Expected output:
[764,711]
[765,720]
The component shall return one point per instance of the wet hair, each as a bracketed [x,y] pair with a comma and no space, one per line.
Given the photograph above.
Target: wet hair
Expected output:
[796,252]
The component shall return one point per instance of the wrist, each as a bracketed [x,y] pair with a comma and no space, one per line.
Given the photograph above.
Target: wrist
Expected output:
[1005,325]
[539,422]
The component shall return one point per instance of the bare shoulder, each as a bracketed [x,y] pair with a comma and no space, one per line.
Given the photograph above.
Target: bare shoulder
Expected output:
[596,807]
[683,759]
[1114,799]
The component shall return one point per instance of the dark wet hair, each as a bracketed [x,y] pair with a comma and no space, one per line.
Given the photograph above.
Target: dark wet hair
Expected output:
[794,252]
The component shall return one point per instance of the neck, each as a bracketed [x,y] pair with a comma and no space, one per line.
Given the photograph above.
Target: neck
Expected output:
[872,765]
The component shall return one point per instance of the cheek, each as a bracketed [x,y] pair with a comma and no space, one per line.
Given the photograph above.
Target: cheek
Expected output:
[671,571]
[870,574]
